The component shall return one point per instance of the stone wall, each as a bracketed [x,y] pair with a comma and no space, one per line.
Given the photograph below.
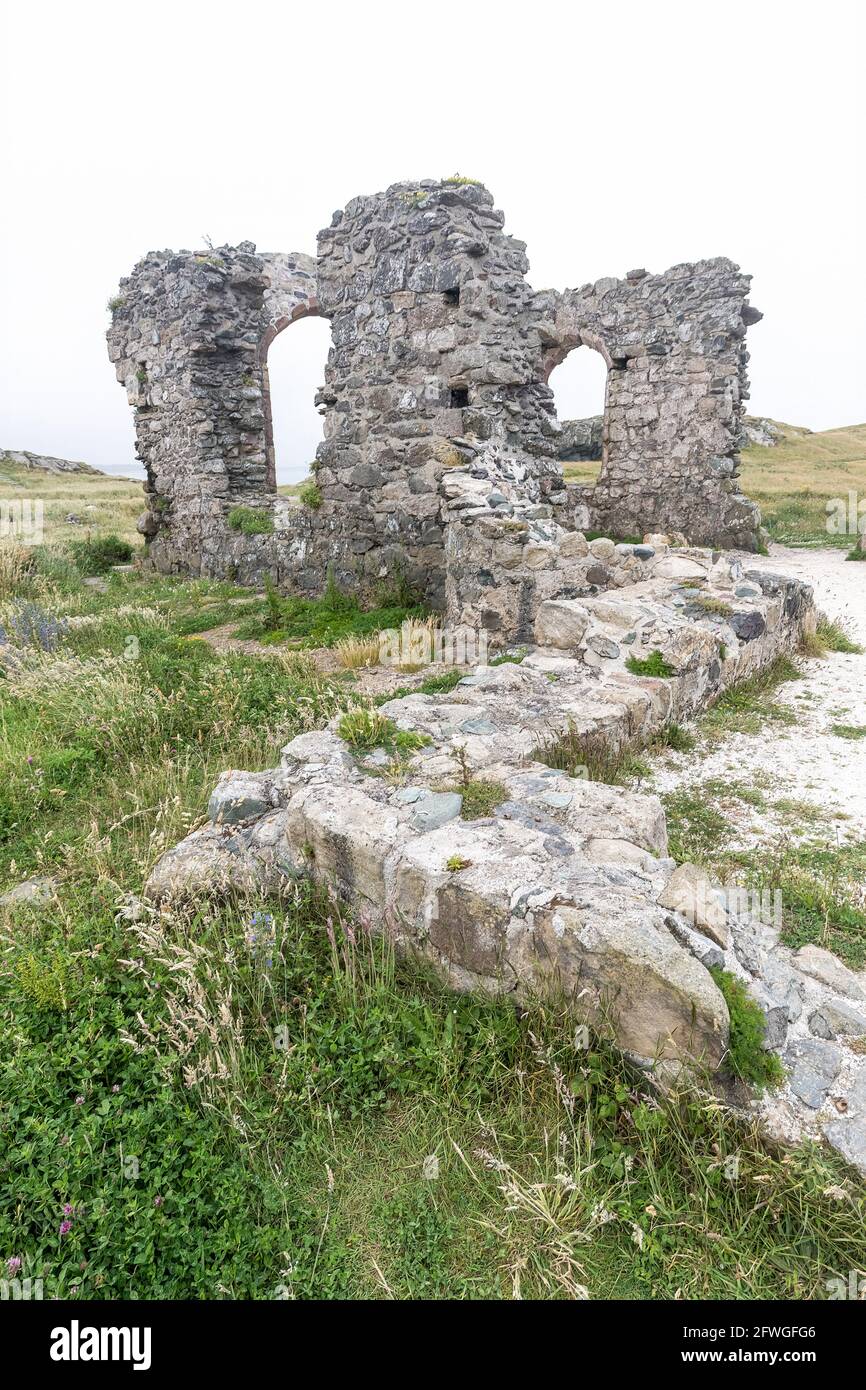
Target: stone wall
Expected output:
[440,357]
[565,885]
[435,356]
[581,440]
[675,349]
[186,339]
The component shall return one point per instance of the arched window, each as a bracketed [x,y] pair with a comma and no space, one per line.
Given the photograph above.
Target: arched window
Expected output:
[294,369]
[579,385]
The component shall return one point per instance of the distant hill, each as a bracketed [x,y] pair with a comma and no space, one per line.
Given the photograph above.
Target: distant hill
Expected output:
[793,479]
[45,463]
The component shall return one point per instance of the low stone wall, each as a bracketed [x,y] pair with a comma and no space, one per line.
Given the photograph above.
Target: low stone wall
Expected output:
[566,886]
[560,886]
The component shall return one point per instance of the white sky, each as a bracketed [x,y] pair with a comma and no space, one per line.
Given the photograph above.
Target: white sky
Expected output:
[613,136]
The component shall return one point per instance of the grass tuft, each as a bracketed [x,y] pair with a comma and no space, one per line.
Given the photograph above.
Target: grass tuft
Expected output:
[746,1057]
[652,665]
[364,729]
[97,555]
[481,797]
[251,521]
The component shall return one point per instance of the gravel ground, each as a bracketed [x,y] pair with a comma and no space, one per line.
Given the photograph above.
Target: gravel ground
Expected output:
[803,762]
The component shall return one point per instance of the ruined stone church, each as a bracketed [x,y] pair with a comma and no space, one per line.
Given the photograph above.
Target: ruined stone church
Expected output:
[437,410]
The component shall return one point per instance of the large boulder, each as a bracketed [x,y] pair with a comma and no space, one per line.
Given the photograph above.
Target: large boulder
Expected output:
[626,971]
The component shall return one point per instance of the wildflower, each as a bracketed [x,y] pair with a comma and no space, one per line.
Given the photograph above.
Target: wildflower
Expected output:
[157,1201]
[65,1227]
[14,1264]
[68,1209]
[115,1088]
[79,1100]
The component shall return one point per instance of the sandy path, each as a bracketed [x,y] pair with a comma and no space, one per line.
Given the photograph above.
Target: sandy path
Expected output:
[806,761]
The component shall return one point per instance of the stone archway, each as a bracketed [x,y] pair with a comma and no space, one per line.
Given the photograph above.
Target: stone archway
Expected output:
[579,381]
[674,345]
[290,297]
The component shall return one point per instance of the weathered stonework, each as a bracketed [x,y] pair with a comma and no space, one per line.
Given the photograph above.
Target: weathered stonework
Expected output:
[675,349]
[565,886]
[581,440]
[440,359]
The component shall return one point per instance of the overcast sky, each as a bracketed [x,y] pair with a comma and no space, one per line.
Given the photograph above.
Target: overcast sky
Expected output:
[613,136]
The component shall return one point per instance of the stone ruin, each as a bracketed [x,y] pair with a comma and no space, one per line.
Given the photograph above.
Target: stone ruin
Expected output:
[442,456]
[440,358]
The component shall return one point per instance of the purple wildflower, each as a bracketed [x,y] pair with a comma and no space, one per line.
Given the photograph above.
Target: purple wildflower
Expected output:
[65,1227]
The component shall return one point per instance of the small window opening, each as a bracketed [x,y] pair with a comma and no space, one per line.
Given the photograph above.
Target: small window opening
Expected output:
[452,296]
[459,397]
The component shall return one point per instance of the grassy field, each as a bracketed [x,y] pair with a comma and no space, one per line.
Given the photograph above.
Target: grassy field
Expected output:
[793,481]
[254,1099]
[101,503]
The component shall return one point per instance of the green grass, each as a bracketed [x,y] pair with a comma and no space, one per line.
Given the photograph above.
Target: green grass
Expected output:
[590,754]
[251,521]
[652,665]
[715,607]
[820,881]
[308,623]
[834,637]
[480,797]
[509,658]
[677,738]
[852,731]
[439,685]
[746,1058]
[364,729]
[744,707]
[98,554]
[310,495]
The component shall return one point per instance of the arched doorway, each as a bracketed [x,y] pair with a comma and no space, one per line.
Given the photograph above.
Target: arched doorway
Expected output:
[579,386]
